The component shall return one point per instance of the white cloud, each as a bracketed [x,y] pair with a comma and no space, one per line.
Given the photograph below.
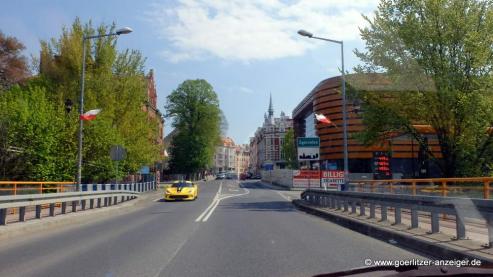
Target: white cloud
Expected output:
[240,30]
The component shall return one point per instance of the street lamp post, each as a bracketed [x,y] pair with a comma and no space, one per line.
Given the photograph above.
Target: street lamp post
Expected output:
[122,31]
[344,105]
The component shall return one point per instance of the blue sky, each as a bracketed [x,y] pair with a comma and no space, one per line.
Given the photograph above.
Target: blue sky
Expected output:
[245,49]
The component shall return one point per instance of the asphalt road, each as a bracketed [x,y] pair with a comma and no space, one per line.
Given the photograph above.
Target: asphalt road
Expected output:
[233,229]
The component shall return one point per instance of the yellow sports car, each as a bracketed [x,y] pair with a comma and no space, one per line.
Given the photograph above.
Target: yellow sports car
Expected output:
[181,190]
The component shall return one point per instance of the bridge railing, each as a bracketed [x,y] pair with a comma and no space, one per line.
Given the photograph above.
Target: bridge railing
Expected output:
[33,187]
[54,199]
[476,187]
[460,208]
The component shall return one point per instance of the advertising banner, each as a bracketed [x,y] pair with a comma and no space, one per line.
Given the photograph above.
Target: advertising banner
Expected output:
[332,179]
[306,178]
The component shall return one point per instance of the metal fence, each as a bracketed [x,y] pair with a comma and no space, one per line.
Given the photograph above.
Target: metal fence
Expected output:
[460,208]
[43,204]
[477,187]
[32,187]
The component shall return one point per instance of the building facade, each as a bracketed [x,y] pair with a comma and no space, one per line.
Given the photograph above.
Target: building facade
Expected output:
[225,156]
[242,158]
[155,115]
[266,145]
[406,159]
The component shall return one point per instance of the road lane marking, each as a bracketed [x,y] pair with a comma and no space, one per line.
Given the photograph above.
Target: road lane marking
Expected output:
[284,196]
[216,197]
[222,198]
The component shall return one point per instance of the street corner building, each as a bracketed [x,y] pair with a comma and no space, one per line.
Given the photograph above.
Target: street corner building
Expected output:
[266,145]
[398,156]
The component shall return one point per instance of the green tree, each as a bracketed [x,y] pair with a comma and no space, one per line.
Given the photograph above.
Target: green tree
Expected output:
[438,55]
[194,107]
[289,150]
[33,117]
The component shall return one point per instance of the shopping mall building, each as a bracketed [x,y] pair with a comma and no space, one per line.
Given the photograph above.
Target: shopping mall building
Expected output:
[406,159]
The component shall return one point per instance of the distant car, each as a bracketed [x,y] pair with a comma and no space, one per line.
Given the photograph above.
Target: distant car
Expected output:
[256,177]
[181,190]
[221,176]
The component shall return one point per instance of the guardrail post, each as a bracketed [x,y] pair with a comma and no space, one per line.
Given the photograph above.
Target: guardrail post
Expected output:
[128,197]
[372,210]
[398,215]
[435,222]
[489,223]
[461,228]
[444,188]
[383,212]
[74,206]
[413,187]
[52,209]
[346,205]
[64,207]
[486,189]
[109,201]
[353,206]
[83,204]
[361,208]
[98,204]
[22,214]
[3,216]
[106,201]
[115,200]
[91,204]
[38,212]
[414,218]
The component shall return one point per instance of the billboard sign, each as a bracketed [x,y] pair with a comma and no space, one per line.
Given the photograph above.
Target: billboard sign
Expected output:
[308,149]
[306,178]
[332,179]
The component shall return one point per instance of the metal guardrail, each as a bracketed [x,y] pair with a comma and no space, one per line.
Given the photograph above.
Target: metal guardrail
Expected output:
[461,208]
[105,196]
[33,187]
[476,187]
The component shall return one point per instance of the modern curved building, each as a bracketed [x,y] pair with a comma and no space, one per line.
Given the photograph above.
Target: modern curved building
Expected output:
[405,156]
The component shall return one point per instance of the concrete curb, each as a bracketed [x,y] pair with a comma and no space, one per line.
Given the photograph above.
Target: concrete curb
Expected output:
[33,226]
[436,250]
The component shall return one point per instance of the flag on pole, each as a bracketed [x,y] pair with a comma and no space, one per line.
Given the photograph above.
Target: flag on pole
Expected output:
[90,115]
[323,119]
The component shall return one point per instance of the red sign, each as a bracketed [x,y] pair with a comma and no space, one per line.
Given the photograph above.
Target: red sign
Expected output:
[306,174]
[333,174]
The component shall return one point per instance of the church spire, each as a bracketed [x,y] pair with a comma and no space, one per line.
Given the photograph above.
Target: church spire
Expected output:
[271,109]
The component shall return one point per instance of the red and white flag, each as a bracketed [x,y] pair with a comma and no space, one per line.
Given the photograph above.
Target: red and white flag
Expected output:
[323,119]
[90,115]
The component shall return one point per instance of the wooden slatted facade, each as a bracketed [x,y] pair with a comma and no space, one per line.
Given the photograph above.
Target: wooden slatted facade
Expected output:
[326,99]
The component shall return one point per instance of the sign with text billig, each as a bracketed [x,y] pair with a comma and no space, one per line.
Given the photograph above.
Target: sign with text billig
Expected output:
[308,149]
[332,178]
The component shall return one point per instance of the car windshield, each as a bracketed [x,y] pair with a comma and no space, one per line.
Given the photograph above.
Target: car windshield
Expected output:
[182,185]
[245,137]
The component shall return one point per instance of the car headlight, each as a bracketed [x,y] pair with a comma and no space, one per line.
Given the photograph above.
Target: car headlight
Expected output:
[168,191]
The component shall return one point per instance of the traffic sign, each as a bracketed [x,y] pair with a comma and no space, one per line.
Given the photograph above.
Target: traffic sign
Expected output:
[118,153]
[309,149]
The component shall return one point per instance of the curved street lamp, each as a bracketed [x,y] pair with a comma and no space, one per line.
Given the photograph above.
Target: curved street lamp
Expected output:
[344,108]
[122,31]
